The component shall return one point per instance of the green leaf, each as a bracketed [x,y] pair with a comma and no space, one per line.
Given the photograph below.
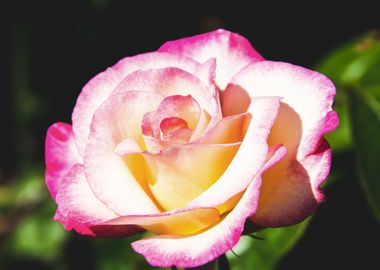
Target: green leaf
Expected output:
[358,69]
[265,254]
[39,236]
[365,117]
[350,63]
[336,62]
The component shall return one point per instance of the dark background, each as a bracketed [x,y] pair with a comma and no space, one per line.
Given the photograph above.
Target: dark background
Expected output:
[51,49]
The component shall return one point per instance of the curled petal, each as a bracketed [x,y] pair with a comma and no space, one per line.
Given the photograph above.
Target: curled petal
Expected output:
[61,155]
[147,124]
[171,124]
[180,107]
[229,129]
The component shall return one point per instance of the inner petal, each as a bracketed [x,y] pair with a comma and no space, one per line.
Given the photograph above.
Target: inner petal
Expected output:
[147,124]
[173,81]
[171,124]
[177,120]
[183,107]
[174,129]
[178,175]
[182,135]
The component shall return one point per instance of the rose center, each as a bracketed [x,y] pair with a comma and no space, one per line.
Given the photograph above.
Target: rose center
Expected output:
[173,122]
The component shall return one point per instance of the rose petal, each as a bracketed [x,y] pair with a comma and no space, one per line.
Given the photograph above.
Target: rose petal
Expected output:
[203,124]
[248,160]
[183,107]
[170,124]
[147,124]
[290,190]
[287,196]
[127,146]
[98,89]
[79,209]
[181,135]
[179,221]
[76,200]
[198,249]
[155,145]
[234,101]
[179,175]
[232,52]
[229,129]
[120,182]
[169,82]
[61,155]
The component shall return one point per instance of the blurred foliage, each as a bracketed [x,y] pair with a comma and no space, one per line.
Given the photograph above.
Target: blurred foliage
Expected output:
[29,237]
[355,70]
[263,249]
[365,117]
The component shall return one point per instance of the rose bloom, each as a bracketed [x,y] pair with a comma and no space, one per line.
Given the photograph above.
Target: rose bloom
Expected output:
[190,142]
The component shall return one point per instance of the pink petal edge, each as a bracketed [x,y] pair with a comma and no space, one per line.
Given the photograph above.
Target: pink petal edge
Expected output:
[79,209]
[231,51]
[61,155]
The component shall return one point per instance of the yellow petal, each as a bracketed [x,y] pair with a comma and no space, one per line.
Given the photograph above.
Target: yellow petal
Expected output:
[179,175]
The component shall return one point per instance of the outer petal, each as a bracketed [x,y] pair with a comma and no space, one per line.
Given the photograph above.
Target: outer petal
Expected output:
[98,89]
[61,155]
[76,200]
[198,249]
[248,160]
[110,176]
[232,52]
[79,209]
[290,190]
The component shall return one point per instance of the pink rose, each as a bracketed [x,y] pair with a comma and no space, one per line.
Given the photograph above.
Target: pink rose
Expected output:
[189,142]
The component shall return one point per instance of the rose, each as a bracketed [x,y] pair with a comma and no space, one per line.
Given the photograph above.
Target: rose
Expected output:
[189,142]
